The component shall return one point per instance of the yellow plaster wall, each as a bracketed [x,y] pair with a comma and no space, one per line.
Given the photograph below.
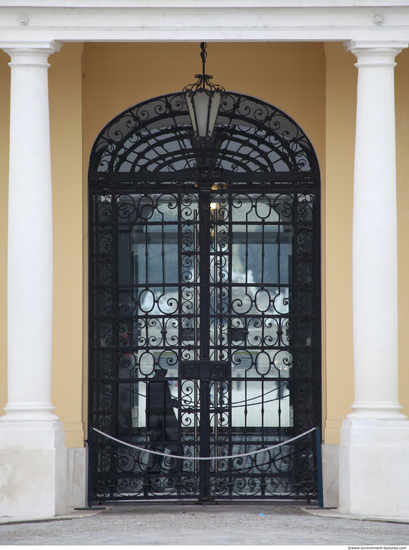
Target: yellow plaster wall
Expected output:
[115,76]
[4,176]
[313,83]
[290,76]
[316,85]
[340,141]
[65,92]
[402,149]
[337,234]
[65,88]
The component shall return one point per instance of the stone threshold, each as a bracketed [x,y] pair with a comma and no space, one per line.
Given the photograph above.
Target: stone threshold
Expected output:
[335,513]
[75,514]
[315,511]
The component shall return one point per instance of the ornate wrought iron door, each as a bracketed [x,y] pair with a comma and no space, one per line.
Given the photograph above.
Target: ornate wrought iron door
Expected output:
[204,304]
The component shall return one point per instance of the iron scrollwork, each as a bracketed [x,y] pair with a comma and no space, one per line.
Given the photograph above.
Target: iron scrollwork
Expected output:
[235,284]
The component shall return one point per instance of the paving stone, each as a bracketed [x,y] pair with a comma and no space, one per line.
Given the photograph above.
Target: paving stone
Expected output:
[189,524]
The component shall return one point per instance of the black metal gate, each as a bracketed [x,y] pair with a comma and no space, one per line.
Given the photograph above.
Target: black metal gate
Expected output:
[204,304]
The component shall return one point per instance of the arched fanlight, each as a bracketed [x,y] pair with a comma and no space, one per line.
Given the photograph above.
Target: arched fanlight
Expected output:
[203,100]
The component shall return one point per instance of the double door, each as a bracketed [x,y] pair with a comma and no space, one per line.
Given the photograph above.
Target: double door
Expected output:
[202,313]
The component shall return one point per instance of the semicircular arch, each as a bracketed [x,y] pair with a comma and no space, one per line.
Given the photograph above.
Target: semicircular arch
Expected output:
[154,139]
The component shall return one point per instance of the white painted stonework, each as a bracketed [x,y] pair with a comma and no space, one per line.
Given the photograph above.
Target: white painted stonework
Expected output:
[30,239]
[374,451]
[330,475]
[374,474]
[185,20]
[77,478]
[375,258]
[33,464]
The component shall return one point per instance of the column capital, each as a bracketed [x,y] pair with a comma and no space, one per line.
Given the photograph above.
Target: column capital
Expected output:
[371,53]
[29,52]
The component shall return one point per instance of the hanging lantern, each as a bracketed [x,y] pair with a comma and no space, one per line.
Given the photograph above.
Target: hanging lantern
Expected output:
[203,101]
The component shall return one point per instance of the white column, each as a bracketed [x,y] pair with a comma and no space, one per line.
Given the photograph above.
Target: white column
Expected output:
[30,254]
[32,448]
[375,437]
[375,291]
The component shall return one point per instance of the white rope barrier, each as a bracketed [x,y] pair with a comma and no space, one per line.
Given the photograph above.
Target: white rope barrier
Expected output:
[203,457]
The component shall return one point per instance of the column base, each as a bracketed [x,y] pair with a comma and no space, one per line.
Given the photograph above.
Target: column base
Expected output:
[373,468]
[29,412]
[33,466]
[377,411]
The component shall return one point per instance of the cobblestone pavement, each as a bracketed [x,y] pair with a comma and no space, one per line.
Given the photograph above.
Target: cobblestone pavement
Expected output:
[190,524]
